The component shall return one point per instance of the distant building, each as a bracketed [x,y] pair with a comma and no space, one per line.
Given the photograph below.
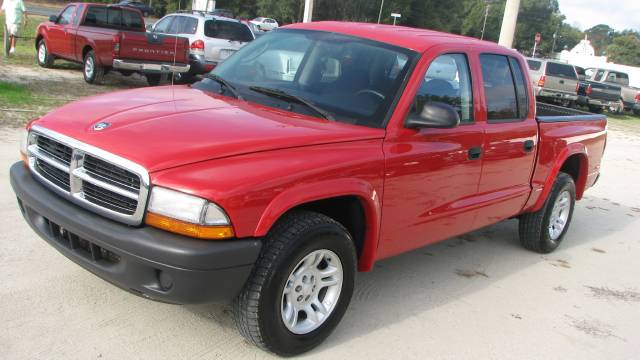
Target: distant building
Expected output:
[583,55]
[203,5]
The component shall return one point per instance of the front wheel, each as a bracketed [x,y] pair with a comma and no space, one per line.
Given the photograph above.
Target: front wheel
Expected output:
[44,58]
[543,230]
[300,286]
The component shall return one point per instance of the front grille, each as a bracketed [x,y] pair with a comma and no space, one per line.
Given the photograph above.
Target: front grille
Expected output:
[81,246]
[109,199]
[107,184]
[111,173]
[53,174]
[55,149]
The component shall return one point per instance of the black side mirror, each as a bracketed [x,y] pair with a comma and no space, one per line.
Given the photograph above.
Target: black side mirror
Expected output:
[434,115]
[53,18]
[149,27]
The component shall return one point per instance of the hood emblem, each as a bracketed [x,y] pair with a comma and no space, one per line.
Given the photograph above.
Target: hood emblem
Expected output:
[101,126]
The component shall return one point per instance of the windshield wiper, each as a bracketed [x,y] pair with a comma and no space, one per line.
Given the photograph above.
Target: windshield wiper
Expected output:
[286,96]
[224,83]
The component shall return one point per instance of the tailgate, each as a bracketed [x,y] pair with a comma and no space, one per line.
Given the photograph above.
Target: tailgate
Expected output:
[605,92]
[153,47]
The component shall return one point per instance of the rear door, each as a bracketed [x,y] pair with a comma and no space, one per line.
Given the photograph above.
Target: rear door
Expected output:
[561,77]
[510,138]
[157,46]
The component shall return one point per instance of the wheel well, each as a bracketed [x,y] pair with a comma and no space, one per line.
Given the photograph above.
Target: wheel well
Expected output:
[347,210]
[575,166]
[85,50]
[38,38]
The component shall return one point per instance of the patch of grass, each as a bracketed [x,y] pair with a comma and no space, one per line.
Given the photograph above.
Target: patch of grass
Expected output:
[624,117]
[25,46]
[14,95]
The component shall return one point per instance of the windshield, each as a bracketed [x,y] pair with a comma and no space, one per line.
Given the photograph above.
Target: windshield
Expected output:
[352,80]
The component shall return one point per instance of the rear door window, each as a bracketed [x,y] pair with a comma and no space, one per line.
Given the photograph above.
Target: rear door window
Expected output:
[561,70]
[504,88]
[227,30]
[163,25]
[188,25]
[101,16]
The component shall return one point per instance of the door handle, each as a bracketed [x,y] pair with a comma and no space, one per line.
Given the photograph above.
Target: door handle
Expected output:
[529,145]
[474,153]
[561,81]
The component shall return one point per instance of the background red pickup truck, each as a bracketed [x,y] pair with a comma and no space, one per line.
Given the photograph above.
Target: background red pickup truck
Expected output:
[273,180]
[105,37]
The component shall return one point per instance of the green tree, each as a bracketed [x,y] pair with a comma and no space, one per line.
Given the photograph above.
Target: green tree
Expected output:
[625,50]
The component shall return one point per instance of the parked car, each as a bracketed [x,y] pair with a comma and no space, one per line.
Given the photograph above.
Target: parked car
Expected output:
[106,37]
[223,13]
[615,79]
[598,93]
[254,28]
[636,106]
[274,190]
[265,24]
[145,9]
[553,81]
[213,39]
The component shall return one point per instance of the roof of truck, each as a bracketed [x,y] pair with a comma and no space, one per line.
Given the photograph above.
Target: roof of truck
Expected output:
[410,38]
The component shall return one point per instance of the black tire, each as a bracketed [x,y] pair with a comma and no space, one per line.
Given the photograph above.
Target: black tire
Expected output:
[636,112]
[534,227]
[595,109]
[153,79]
[183,78]
[45,61]
[95,75]
[257,309]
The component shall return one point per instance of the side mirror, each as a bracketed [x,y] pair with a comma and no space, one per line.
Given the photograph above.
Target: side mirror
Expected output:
[53,18]
[149,28]
[434,115]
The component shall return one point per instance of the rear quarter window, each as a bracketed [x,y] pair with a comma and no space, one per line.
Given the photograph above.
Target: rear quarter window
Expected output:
[227,30]
[561,70]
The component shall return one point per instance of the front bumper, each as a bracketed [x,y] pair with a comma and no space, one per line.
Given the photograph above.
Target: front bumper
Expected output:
[143,260]
[147,67]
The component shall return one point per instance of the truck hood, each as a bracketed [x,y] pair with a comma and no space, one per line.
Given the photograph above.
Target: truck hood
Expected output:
[165,127]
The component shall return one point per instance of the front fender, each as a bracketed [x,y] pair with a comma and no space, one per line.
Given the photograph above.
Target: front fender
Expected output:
[306,193]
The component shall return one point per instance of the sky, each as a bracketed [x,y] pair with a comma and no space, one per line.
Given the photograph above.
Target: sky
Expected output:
[619,14]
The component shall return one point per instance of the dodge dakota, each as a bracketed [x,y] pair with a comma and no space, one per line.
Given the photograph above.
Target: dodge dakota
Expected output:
[105,37]
[307,156]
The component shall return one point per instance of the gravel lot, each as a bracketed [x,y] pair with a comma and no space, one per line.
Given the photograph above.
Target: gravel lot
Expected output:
[479,296]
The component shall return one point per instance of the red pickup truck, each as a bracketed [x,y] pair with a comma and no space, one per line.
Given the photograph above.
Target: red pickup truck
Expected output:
[307,156]
[104,37]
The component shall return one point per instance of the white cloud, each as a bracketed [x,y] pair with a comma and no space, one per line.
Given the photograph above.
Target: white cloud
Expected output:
[619,14]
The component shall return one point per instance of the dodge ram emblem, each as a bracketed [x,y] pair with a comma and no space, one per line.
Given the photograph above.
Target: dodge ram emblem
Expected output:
[101,126]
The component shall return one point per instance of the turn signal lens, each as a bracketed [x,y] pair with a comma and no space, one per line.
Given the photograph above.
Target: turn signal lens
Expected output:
[24,143]
[542,81]
[189,229]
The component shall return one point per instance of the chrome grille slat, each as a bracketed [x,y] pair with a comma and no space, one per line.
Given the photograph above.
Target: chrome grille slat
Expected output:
[90,177]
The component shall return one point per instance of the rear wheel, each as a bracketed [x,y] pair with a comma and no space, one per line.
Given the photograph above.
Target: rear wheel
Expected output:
[300,286]
[543,230]
[93,71]
[153,79]
[44,58]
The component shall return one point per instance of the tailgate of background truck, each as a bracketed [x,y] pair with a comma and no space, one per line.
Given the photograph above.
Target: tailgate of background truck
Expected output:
[153,47]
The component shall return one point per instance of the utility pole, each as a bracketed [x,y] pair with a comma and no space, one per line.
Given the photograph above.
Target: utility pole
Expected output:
[308,11]
[509,21]
[380,13]
[484,24]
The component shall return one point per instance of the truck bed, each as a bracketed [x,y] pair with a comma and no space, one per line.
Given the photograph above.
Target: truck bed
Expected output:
[553,113]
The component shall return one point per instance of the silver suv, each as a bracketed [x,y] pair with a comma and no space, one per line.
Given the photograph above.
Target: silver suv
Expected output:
[553,81]
[212,38]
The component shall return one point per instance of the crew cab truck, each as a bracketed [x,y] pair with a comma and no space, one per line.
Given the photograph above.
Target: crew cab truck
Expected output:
[607,89]
[105,37]
[273,190]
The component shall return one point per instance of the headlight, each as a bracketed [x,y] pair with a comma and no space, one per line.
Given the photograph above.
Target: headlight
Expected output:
[24,142]
[188,215]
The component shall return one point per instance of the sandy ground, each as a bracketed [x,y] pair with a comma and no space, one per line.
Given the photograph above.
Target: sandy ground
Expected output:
[480,296]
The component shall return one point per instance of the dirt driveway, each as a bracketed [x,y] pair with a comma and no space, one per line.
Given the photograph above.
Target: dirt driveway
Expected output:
[479,296]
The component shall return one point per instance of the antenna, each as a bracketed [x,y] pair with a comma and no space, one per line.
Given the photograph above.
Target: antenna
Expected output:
[175,51]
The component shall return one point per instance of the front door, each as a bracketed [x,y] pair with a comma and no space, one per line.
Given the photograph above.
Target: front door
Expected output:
[59,42]
[432,174]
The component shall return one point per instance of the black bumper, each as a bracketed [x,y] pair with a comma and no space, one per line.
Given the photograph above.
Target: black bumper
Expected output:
[198,65]
[143,260]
